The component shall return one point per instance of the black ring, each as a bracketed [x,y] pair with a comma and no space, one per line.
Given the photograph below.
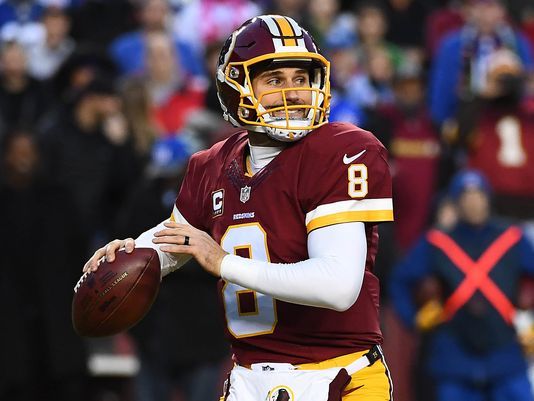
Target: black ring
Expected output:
[186,241]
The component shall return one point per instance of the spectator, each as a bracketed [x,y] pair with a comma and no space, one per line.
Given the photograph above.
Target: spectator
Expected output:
[373,88]
[406,129]
[325,21]
[46,56]
[404,22]
[459,70]
[499,135]
[372,29]
[474,350]
[19,20]
[97,23]
[84,65]
[344,68]
[139,116]
[173,96]
[129,50]
[40,356]
[440,23]
[22,98]
[204,21]
[88,151]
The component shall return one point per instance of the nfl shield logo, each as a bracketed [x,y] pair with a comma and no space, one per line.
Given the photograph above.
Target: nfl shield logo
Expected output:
[245,194]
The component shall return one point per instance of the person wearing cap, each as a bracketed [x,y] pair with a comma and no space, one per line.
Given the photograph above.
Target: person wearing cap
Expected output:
[474,352]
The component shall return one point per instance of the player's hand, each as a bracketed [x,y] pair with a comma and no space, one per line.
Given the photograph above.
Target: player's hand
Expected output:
[107,252]
[186,239]
[429,315]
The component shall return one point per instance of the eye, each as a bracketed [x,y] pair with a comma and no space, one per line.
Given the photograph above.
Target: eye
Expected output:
[301,81]
[273,82]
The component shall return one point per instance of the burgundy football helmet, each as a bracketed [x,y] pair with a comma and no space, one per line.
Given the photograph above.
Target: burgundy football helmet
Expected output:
[269,42]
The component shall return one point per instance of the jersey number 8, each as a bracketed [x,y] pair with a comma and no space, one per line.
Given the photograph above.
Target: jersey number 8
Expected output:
[248,313]
[358,186]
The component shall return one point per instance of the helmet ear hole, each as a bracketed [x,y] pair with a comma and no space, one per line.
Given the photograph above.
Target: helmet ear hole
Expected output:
[234,73]
[243,112]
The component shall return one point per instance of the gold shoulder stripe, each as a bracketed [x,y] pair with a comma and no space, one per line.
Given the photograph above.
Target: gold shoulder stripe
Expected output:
[351,216]
[288,36]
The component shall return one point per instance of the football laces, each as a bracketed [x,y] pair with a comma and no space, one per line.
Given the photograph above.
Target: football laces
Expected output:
[81,280]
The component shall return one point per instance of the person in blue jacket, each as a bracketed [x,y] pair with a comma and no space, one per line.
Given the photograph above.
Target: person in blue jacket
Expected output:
[460,66]
[474,352]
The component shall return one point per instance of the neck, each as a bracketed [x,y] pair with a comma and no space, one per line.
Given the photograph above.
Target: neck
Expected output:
[260,156]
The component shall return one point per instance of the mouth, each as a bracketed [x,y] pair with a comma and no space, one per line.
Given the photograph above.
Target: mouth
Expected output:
[294,114]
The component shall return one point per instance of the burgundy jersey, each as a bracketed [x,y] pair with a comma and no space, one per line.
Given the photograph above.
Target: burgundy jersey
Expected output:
[415,149]
[338,173]
[503,150]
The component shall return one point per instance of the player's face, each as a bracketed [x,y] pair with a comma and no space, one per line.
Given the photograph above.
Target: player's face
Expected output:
[283,78]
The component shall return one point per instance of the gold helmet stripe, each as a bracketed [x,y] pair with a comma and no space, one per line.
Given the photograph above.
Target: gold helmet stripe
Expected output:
[286,30]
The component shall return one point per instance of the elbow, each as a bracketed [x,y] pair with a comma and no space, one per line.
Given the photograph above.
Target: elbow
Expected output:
[345,289]
[344,297]
[345,302]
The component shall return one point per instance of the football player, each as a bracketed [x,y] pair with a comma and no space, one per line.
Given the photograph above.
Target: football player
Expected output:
[285,213]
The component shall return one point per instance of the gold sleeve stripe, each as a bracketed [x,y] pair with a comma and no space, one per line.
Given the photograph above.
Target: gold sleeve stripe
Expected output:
[347,217]
[172,218]
[364,205]
[287,32]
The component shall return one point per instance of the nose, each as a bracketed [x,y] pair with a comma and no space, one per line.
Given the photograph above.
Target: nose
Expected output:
[292,95]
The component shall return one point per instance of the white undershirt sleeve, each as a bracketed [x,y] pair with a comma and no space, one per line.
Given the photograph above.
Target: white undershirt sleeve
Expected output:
[331,278]
[168,262]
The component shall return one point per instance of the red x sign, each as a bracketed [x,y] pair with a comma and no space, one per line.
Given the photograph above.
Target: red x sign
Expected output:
[476,272]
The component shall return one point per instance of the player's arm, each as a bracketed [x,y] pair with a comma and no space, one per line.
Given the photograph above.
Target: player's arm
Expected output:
[331,278]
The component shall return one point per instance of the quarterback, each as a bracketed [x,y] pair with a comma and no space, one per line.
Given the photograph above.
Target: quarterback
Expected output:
[285,213]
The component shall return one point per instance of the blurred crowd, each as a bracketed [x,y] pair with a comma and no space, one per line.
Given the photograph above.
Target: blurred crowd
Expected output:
[103,101]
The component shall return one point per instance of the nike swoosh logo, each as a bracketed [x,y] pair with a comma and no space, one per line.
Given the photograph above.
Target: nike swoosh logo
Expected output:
[349,160]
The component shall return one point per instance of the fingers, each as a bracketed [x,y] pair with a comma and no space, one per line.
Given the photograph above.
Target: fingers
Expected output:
[177,239]
[185,239]
[176,234]
[173,238]
[113,247]
[92,263]
[108,253]
[129,245]
[174,229]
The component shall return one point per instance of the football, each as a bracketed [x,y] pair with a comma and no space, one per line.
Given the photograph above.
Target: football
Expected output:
[117,295]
